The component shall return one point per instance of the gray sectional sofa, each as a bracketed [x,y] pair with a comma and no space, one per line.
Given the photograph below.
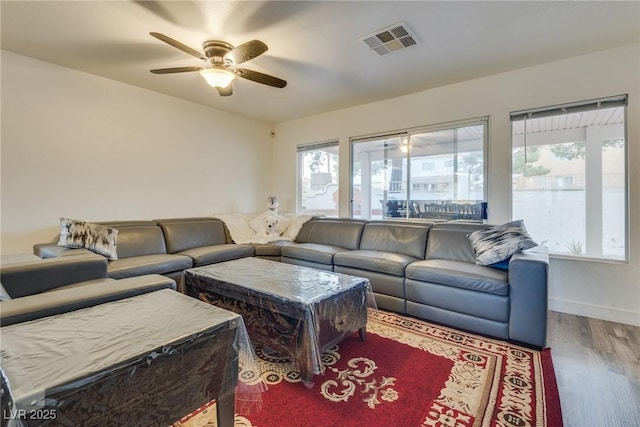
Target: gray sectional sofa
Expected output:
[162,246]
[428,270]
[423,269]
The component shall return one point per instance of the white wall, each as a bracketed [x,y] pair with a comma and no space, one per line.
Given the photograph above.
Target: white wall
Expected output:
[604,290]
[81,146]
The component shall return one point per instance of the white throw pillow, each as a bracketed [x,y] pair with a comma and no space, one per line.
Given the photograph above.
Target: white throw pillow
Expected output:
[94,237]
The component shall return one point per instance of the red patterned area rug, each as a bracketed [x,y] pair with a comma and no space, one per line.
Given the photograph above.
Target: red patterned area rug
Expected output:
[407,373]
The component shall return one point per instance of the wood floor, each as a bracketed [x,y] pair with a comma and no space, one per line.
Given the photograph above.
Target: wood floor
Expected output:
[597,365]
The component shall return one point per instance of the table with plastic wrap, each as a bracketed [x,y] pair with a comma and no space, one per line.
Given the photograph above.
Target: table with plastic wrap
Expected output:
[147,360]
[292,310]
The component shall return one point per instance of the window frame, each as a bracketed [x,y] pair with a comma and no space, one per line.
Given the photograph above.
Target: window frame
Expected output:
[574,107]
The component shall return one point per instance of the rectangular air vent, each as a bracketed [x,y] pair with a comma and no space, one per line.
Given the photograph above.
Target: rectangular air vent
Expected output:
[391,39]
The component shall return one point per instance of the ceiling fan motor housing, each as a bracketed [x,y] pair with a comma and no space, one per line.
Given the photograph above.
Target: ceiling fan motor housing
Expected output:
[215,50]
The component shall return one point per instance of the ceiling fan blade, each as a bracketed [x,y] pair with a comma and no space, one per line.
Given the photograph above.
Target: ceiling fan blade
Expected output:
[175,70]
[225,91]
[245,52]
[260,77]
[178,45]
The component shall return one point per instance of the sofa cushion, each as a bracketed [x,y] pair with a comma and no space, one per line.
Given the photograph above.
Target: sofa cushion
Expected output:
[147,264]
[40,275]
[71,298]
[378,261]
[94,237]
[398,238]
[140,240]
[217,253]
[270,249]
[314,252]
[450,241]
[189,233]
[103,281]
[499,242]
[459,274]
[343,233]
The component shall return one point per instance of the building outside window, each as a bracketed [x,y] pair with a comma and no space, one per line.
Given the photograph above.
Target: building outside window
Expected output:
[318,178]
[569,171]
[430,172]
[428,166]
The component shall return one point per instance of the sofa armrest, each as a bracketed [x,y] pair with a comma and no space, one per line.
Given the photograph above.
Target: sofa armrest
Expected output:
[52,250]
[41,275]
[528,291]
[64,300]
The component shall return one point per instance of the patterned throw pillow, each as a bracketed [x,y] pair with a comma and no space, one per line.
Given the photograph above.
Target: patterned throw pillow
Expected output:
[495,244]
[97,238]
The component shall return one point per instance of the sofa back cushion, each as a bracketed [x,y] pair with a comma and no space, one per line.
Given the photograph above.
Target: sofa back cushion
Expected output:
[183,234]
[41,275]
[138,238]
[345,233]
[402,238]
[449,241]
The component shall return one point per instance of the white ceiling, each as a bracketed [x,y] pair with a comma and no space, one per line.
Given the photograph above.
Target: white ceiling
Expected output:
[314,45]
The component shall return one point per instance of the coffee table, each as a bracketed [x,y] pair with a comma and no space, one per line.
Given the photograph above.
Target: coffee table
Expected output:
[145,360]
[299,311]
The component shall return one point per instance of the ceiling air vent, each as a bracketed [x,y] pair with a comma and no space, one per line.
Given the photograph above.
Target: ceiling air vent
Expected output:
[391,39]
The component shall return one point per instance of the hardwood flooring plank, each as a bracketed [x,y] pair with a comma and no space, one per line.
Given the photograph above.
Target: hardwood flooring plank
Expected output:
[597,365]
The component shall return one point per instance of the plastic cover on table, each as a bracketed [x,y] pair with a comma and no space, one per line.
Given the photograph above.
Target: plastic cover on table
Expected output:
[298,310]
[145,360]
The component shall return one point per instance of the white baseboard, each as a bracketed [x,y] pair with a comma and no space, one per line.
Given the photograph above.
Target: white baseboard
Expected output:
[596,311]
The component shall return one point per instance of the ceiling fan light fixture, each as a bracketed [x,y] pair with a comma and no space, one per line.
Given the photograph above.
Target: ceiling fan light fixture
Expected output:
[217,77]
[219,55]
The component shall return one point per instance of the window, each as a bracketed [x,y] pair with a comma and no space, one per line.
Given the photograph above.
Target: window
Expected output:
[570,179]
[318,178]
[428,166]
[432,172]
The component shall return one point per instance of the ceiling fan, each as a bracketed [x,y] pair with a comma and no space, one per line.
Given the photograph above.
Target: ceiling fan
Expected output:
[220,57]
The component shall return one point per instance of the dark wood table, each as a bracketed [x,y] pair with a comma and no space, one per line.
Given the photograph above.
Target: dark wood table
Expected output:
[297,310]
[145,360]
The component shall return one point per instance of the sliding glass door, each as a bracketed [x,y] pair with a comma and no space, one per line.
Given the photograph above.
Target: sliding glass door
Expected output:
[433,172]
